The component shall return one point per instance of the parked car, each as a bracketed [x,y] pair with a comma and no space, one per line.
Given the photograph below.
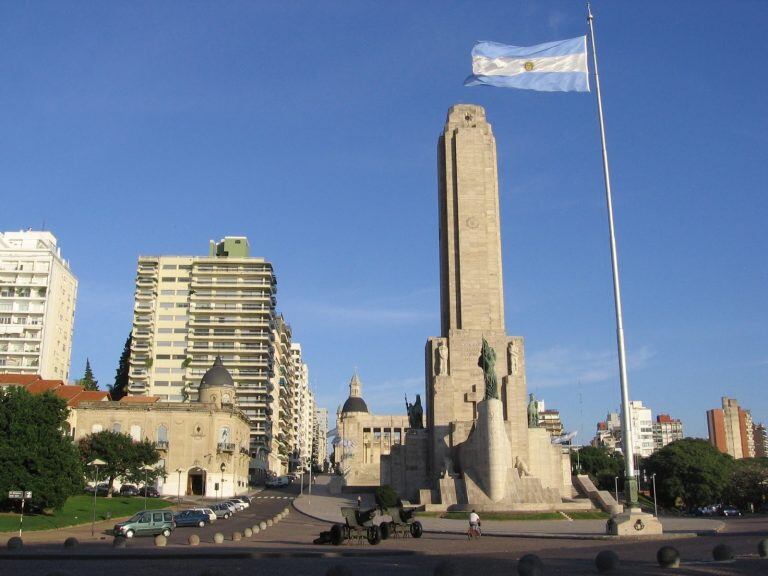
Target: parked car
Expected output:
[244,499]
[238,504]
[222,511]
[149,492]
[129,490]
[730,511]
[211,514]
[102,489]
[146,523]
[278,481]
[191,518]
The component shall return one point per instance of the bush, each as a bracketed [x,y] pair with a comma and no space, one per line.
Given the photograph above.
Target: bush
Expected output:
[386,497]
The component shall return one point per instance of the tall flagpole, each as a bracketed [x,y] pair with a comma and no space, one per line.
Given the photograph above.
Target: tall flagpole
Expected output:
[630,484]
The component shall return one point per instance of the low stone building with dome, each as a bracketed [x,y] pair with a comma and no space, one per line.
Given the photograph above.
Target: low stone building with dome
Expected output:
[203,444]
[363,438]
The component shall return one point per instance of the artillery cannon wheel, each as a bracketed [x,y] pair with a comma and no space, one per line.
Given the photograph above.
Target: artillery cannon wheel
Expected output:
[386,530]
[374,535]
[416,529]
[337,534]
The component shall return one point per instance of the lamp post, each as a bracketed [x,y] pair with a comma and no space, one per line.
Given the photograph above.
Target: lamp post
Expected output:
[146,469]
[616,487]
[178,490]
[222,467]
[95,463]
[655,508]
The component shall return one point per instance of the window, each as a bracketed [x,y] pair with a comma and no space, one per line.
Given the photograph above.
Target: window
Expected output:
[96,428]
[162,433]
[117,427]
[136,433]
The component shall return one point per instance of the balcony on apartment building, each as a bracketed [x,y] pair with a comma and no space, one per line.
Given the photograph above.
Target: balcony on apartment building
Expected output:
[227,447]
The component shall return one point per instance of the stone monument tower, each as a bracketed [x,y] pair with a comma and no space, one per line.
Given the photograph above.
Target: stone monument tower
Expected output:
[482,452]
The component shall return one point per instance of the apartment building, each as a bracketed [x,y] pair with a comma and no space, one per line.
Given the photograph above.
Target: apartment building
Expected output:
[320,437]
[731,429]
[666,430]
[37,305]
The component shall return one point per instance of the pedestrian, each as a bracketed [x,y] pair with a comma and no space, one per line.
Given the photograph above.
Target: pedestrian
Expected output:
[359,502]
[474,525]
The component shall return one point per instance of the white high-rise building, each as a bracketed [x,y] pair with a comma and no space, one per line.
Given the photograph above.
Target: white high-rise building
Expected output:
[642,428]
[37,306]
[320,454]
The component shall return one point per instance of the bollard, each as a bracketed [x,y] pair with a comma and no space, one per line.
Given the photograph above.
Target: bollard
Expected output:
[255,529]
[668,557]
[247,533]
[287,511]
[607,561]
[446,568]
[218,538]
[269,522]
[119,542]
[236,536]
[762,547]
[530,565]
[193,540]
[722,553]
[70,542]
[15,543]
[263,525]
[161,541]
[276,519]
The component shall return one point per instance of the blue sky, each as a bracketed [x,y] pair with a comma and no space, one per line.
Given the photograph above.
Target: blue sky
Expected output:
[139,128]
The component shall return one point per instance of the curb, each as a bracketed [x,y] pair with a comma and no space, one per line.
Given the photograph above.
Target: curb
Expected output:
[142,555]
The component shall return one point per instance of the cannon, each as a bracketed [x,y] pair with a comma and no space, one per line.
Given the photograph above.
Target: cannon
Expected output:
[402,525]
[358,525]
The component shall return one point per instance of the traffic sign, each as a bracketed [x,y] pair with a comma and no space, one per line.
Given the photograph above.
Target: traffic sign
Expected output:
[16,494]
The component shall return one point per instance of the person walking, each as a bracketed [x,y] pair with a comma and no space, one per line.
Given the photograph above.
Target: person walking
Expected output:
[359,502]
[474,525]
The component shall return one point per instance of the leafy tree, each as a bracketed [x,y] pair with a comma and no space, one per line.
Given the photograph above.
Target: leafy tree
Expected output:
[124,458]
[690,472]
[36,456]
[748,484]
[601,465]
[88,381]
[120,387]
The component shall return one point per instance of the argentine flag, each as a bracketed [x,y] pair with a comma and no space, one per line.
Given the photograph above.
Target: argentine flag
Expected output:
[559,66]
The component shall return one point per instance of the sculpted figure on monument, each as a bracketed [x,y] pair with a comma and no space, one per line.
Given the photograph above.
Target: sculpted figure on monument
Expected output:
[521,467]
[514,358]
[442,359]
[415,413]
[533,412]
[487,361]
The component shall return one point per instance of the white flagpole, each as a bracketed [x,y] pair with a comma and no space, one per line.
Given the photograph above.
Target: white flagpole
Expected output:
[630,487]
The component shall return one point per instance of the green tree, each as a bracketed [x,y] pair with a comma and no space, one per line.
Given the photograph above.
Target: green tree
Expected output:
[601,465]
[36,455]
[88,381]
[690,472]
[124,458]
[120,387]
[748,484]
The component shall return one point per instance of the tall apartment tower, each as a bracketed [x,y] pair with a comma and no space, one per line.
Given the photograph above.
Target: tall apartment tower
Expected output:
[666,430]
[642,428]
[37,306]
[761,440]
[191,309]
[730,429]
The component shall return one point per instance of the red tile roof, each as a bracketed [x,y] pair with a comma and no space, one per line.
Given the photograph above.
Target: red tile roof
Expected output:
[36,385]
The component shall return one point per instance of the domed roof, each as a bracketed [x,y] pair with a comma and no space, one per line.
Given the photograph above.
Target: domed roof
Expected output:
[354,404]
[217,376]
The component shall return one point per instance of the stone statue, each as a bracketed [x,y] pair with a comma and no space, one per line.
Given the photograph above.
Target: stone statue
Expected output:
[514,358]
[415,413]
[442,359]
[521,467]
[533,412]
[487,361]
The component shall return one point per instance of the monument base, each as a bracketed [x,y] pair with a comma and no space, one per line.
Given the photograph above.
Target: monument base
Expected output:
[635,522]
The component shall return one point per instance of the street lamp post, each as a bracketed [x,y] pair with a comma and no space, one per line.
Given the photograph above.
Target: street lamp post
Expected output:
[616,487]
[222,467]
[178,489]
[95,463]
[146,469]
[655,508]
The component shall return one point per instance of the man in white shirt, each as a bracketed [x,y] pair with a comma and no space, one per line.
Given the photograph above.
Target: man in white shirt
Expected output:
[474,525]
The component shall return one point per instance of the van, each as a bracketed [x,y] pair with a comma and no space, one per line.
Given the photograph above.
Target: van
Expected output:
[146,523]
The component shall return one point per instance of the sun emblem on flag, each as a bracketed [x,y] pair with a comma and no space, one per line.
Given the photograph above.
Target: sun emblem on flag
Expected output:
[528,66]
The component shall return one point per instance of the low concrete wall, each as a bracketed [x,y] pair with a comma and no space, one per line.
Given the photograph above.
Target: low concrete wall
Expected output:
[602,499]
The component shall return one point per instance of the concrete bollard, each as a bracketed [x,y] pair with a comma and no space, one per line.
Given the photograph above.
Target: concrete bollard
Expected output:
[530,565]
[247,533]
[193,540]
[269,522]
[607,561]
[71,542]
[263,525]
[236,536]
[762,547]
[276,519]
[218,538]
[287,511]
[722,553]
[119,542]
[161,541]
[668,557]
[446,568]
[255,528]
[15,543]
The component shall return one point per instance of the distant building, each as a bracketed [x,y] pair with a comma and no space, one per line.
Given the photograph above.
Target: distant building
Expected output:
[730,429]
[549,419]
[666,430]
[37,306]
[320,447]
[761,441]
[609,433]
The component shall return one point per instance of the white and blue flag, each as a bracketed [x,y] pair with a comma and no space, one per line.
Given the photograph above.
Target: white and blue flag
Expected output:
[559,66]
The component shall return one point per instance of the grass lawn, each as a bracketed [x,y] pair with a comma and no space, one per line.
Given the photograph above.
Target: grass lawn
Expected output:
[495,515]
[79,510]
[589,515]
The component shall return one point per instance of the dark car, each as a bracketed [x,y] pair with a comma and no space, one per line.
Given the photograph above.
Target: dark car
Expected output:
[149,492]
[129,490]
[102,489]
[730,511]
[191,518]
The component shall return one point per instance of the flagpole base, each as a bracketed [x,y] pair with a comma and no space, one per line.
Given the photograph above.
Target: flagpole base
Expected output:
[635,523]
